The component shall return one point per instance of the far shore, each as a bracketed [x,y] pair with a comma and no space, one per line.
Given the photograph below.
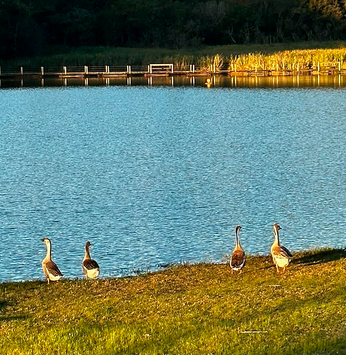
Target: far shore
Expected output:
[253,59]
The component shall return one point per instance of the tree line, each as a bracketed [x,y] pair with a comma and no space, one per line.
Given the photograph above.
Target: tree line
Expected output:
[34,27]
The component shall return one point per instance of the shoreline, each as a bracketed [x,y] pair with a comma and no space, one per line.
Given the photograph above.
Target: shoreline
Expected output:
[164,268]
[328,252]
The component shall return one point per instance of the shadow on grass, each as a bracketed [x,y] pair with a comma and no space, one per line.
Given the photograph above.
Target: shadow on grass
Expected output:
[320,256]
[11,318]
[3,318]
[3,304]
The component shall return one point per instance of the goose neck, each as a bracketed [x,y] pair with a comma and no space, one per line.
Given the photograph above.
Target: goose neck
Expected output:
[87,252]
[49,251]
[276,236]
[237,243]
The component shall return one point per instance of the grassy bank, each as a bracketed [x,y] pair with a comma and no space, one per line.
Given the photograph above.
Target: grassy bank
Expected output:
[245,56]
[196,309]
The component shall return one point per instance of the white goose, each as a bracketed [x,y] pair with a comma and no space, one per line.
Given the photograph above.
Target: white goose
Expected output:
[237,261]
[90,267]
[281,255]
[50,269]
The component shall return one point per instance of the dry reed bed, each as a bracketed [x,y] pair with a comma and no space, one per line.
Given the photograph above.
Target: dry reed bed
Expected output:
[294,60]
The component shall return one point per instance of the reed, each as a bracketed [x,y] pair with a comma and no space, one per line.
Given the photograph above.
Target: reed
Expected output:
[290,60]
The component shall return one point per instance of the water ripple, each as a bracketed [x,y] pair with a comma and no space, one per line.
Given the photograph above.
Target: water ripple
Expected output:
[162,175]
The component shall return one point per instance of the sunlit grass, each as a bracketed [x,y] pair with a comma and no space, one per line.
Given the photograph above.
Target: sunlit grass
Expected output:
[190,309]
[291,60]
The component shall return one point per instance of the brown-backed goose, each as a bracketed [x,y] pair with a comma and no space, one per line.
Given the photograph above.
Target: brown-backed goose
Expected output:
[90,267]
[281,255]
[237,261]
[50,269]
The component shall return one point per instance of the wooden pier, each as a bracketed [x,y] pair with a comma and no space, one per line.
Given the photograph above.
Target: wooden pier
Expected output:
[162,70]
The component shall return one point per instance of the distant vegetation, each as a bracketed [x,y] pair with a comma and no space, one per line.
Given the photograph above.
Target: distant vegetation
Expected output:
[37,27]
[190,309]
[232,58]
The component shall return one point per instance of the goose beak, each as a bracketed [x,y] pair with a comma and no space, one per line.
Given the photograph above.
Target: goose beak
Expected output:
[42,240]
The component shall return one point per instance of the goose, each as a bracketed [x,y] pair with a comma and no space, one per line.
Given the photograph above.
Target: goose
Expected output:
[50,269]
[237,261]
[281,255]
[90,266]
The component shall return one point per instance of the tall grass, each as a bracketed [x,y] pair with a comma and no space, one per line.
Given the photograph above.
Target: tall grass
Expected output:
[191,309]
[290,60]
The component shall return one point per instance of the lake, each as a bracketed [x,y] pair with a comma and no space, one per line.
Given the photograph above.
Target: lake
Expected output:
[155,175]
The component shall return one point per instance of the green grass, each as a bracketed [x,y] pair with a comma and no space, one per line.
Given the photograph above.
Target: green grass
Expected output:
[144,56]
[190,309]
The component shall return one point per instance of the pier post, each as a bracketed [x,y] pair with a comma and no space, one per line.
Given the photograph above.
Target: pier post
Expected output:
[64,70]
[149,69]
[318,67]
[128,69]
[42,71]
[172,69]
[339,67]
[107,69]
[86,70]
[21,71]
[298,68]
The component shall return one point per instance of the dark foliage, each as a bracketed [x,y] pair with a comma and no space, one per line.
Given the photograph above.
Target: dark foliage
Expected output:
[32,27]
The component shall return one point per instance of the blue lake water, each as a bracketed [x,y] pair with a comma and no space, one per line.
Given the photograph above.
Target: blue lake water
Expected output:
[159,175]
